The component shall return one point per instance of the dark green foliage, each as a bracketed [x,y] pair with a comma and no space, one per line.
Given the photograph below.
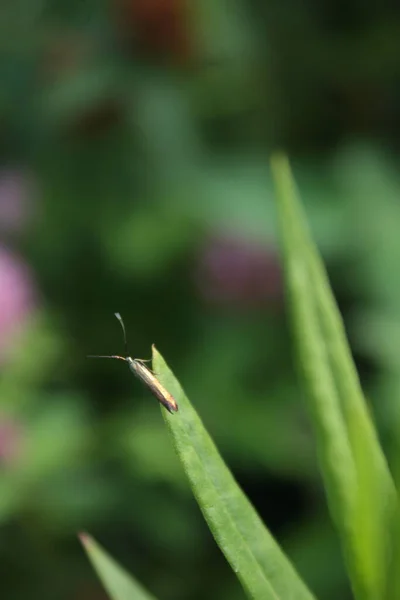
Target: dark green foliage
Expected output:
[142,142]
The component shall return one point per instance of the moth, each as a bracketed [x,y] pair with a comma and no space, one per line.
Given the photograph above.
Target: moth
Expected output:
[139,369]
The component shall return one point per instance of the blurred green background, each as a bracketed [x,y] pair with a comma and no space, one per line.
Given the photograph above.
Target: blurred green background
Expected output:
[135,137]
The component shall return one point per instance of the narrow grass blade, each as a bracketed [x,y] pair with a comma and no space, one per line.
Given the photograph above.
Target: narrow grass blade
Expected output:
[117,582]
[359,487]
[262,568]
[393,571]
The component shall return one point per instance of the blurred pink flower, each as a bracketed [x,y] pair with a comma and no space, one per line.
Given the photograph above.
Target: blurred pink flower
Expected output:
[239,272]
[17,298]
[16,191]
[11,437]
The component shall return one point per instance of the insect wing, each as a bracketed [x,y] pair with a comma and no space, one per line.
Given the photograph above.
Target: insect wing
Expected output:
[151,381]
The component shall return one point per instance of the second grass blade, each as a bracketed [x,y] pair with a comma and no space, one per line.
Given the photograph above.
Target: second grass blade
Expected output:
[359,486]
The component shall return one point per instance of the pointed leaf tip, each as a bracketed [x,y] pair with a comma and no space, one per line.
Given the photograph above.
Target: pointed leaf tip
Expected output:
[84,538]
[118,583]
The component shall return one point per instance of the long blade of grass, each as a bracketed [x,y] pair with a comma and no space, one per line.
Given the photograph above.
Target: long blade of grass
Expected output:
[262,568]
[117,582]
[359,487]
[393,571]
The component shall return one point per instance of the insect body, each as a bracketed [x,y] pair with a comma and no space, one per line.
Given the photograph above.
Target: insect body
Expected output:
[143,373]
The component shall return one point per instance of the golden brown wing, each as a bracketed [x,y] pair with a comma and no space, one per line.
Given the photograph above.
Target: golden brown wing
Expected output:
[151,381]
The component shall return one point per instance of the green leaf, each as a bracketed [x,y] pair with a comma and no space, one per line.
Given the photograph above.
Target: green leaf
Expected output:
[118,583]
[254,555]
[360,490]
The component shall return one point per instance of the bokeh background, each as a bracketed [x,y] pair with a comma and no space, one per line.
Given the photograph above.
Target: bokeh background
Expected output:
[134,145]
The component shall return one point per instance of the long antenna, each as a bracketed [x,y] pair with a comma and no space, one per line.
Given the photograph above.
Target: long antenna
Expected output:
[123,329]
[105,356]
